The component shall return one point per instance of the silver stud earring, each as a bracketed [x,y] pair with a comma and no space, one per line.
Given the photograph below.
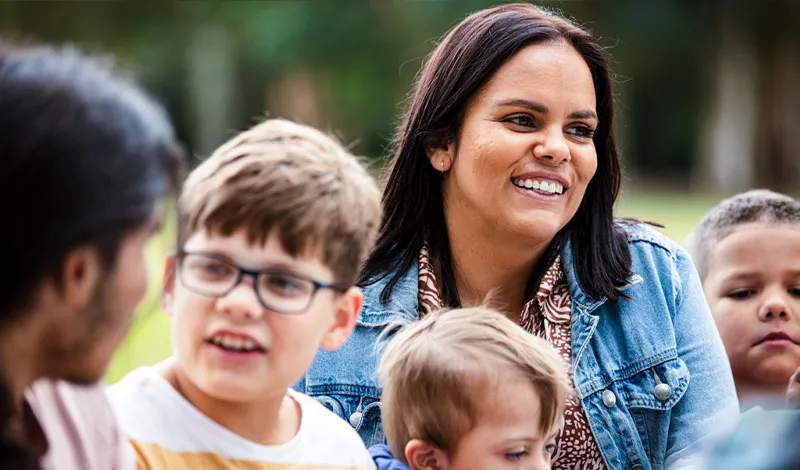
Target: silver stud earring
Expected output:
[442,166]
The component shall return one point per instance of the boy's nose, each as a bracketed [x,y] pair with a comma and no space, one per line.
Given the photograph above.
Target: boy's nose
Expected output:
[241,302]
[775,307]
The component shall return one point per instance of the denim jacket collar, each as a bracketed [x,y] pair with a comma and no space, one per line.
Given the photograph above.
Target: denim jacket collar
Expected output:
[402,305]
[579,297]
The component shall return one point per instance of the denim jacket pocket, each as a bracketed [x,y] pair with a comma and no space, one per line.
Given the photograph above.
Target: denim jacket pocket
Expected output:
[650,395]
[362,409]
[658,387]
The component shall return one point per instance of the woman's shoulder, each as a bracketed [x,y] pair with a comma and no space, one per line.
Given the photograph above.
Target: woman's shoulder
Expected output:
[644,235]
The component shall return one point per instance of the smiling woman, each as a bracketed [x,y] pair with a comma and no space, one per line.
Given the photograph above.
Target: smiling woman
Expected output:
[502,186]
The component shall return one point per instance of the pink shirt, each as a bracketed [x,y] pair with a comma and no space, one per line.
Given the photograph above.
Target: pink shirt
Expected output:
[76,428]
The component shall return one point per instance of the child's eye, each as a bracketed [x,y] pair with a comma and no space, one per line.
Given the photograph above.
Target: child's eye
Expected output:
[741,294]
[550,449]
[516,456]
[795,291]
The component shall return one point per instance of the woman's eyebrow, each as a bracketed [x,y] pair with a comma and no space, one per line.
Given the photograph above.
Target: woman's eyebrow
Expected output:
[539,108]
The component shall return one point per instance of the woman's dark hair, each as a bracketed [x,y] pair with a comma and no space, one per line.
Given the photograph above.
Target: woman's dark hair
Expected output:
[461,64]
[84,157]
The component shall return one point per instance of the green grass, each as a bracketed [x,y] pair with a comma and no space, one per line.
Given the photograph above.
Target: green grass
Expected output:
[149,339]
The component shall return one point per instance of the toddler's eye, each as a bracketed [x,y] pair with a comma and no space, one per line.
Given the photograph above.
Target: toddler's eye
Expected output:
[516,456]
[741,294]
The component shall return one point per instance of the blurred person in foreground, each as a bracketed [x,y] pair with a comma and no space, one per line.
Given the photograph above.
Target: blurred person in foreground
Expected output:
[503,181]
[84,158]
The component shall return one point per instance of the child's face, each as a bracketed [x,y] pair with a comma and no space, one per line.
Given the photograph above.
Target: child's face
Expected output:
[753,289]
[232,347]
[507,436]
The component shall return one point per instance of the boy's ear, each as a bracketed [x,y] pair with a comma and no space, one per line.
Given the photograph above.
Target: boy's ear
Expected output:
[168,287]
[348,307]
[423,456]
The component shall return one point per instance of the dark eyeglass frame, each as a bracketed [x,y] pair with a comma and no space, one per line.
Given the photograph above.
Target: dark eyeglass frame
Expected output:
[241,273]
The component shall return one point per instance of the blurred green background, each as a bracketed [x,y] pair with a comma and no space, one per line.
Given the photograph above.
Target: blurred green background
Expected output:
[707,95]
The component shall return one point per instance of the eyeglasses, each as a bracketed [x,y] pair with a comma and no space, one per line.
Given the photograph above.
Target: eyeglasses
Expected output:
[278,290]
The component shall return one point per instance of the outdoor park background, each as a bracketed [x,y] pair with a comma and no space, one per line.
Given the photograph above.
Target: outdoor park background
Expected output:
[707,91]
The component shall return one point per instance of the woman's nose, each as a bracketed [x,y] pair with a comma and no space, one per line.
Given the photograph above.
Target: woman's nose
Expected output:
[552,148]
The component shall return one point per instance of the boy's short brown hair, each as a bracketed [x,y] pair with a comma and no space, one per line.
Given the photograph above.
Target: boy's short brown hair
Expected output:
[435,372]
[292,180]
[754,206]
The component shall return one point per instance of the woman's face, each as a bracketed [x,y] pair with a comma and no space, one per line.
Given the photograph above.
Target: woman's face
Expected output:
[526,152]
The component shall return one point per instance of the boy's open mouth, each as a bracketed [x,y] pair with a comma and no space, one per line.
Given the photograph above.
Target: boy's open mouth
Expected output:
[235,343]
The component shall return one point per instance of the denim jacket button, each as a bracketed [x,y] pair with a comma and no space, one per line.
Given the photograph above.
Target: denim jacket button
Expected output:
[609,399]
[355,419]
[662,392]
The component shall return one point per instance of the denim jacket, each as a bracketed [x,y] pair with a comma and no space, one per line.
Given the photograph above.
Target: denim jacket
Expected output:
[651,371]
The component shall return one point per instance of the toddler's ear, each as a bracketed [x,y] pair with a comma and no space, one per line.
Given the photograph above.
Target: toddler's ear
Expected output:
[423,456]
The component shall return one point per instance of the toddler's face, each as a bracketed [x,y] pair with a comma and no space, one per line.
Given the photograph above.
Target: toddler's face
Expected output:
[753,289]
[507,436]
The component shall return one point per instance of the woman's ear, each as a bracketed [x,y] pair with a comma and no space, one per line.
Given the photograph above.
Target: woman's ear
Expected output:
[441,155]
[423,456]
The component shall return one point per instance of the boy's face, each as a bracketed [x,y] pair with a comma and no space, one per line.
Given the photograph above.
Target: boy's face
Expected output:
[232,347]
[753,289]
[507,435]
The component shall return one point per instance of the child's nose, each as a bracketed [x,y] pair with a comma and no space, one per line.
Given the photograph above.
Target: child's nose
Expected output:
[775,307]
[241,302]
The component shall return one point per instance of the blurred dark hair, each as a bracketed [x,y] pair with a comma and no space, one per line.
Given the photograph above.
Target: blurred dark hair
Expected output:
[84,157]
[460,65]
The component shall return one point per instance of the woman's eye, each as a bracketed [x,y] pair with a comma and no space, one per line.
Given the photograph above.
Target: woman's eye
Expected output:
[741,294]
[550,449]
[581,131]
[794,291]
[522,120]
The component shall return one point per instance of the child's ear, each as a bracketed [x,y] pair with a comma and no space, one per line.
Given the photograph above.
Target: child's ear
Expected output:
[348,307]
[168,286]
[423,456]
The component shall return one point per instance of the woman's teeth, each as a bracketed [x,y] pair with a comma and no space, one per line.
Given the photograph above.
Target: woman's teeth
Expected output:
[539,185]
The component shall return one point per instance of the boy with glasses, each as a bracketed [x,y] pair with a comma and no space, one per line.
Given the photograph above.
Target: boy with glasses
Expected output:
[272,231]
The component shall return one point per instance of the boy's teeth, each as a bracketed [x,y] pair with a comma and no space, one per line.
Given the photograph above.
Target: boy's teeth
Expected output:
[230,342]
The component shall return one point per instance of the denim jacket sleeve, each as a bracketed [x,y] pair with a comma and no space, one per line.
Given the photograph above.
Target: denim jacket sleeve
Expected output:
[710,405]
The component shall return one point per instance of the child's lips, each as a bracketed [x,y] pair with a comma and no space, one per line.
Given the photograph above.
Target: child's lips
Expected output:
[776,338]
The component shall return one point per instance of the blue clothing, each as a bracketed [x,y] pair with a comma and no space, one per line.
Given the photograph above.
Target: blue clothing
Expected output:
[763,440]
[621,351]
[383,458]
